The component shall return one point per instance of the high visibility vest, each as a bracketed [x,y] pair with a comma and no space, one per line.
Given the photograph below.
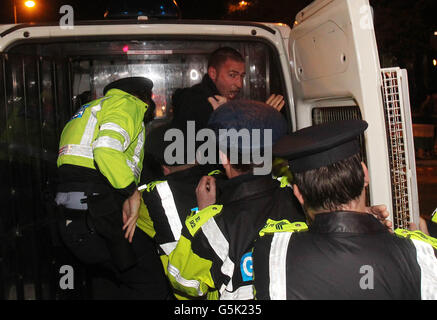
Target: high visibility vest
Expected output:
[110,132]
[167,215]
[213,255]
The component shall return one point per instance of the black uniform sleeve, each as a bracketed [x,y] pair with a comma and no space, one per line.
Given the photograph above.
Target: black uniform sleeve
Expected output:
[261,259]
[191,104]
[157,214]
[129,190]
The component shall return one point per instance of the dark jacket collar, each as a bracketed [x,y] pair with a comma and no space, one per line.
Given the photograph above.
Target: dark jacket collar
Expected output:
[245,186]
[346,221]
[209,85]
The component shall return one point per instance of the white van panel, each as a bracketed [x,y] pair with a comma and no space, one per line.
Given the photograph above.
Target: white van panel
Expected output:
[334,56]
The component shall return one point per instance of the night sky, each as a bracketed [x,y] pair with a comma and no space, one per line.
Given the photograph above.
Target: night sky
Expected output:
[48,10]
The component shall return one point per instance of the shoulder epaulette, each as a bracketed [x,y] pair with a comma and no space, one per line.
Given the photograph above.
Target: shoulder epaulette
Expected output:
[150,186]
[284,181]
[273,226]
[417,235]
[213,173]
[195,221]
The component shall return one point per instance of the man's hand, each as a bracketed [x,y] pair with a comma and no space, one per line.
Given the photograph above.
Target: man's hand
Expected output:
[131,208]
[217,101]
[276,101]
[206,192]
[380,212]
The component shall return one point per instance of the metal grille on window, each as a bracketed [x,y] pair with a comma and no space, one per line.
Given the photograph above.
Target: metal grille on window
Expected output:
[400,144]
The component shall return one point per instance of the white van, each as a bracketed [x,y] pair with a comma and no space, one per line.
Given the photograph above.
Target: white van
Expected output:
[326,66]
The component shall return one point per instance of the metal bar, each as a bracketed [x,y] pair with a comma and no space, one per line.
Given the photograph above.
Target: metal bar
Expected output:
[70,86]
[3,126]
[55,96]
[37,217]
[394,112]
[19,284]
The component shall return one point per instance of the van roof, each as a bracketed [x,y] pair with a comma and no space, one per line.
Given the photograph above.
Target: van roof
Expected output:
[7,29]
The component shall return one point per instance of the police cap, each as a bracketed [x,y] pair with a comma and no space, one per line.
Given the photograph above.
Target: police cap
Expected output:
[250,115]
[320,145]
[138,86]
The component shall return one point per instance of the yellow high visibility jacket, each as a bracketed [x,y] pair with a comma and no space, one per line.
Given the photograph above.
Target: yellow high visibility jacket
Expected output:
[110,132]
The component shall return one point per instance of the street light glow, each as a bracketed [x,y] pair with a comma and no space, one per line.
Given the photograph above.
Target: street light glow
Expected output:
[434,62]
[243,4]
[30,4]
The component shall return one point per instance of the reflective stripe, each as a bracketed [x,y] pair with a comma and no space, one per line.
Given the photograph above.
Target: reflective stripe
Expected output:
[76,150]
[242,293]
[139,147]
[172,270]
[220,245]
[108,142]
[116,128]
[428,266]
[278,266]
[137,154]
[170,209]
[71,200]
[84,149]
[143,187]
[88,134]
[135,170]
[168,247]
[223,287]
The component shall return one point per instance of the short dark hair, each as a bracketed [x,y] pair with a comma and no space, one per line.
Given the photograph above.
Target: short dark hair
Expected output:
[330,187]
[219,56]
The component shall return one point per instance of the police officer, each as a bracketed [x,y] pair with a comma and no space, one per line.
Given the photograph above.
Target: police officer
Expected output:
[213,254]
[100,160]
[346,253]
[169,199]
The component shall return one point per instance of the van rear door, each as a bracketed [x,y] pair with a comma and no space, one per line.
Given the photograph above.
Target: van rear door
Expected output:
[336,74]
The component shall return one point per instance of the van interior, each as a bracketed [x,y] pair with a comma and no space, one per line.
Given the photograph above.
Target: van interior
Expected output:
[42,84]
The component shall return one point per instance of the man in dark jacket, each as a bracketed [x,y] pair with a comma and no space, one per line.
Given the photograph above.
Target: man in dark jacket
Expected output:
[223,82]
[346,253]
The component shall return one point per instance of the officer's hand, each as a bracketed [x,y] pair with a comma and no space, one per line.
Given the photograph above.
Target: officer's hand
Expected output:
[131,210]
[380,212]
[276,101]
[217,101]
[422,226]
[206,192]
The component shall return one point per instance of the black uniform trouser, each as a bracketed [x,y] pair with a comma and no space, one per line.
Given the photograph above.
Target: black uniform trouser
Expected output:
[145,280]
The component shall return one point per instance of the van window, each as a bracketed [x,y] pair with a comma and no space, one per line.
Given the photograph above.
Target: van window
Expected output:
[170,64]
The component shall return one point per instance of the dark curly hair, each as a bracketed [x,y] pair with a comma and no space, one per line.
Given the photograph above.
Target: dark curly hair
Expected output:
[330,187]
